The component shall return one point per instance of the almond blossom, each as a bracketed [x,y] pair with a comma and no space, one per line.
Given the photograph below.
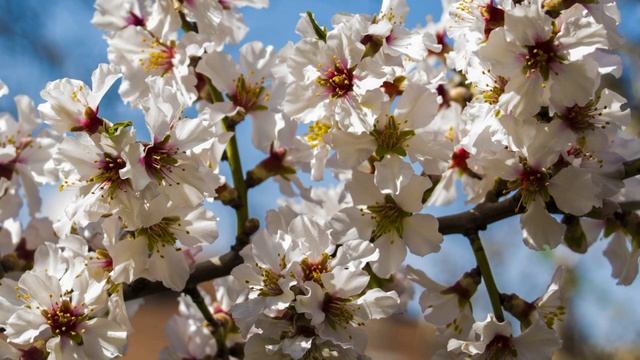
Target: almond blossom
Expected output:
[368,126]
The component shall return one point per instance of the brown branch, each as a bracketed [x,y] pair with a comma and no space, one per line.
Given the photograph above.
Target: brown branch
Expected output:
[465,222]
[205,271]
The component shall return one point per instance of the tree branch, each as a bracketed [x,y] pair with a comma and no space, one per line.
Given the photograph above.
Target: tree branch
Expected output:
[205,271]
[465,222]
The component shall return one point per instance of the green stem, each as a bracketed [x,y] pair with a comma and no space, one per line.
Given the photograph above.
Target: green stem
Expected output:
[215,327]
[485,271]
[233,158]
[235,165]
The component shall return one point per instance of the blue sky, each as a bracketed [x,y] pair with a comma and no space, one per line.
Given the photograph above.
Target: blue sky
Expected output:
[33,31]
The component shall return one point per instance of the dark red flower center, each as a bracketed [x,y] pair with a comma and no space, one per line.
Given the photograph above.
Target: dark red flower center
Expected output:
[159,159]
[459,159]
[493,17]
[64,318]
[134,19]
[337,79]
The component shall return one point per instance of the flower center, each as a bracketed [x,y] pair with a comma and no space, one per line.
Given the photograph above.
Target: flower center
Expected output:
[104,260]
[553,8]
[270,286]
[248,95]
[541,57]
[459,159]
[109,174]
[391,138]
[316,134]
[313,270]
[160,58]
[159,159]
[7,168]
[64,318]
[532,182]
[441,39]
[493,18]
[336,310]
[90,122]
[337,79]
[583,118]
[500,348]
[556,315]
[160,234]
[388,217]
[134,19]
[492,96]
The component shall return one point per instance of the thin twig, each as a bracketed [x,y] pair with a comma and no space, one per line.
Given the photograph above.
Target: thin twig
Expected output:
[475,219]
[487,275]
[216,329]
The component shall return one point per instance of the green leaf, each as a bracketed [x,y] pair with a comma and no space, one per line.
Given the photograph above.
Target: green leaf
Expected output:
[115,128]
[321,32]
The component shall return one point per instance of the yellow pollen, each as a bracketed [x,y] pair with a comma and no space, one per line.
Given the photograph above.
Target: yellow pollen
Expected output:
[316,133]
[450,134]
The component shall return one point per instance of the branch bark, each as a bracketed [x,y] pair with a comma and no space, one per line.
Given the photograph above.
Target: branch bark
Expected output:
[205,271]
[465,222]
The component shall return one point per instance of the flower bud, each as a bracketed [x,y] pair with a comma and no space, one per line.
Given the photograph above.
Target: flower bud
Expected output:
[271,166]
[574,236]
[518,307]
[227,195]
[466,286]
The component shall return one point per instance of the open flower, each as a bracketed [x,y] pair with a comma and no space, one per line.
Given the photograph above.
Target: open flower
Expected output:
[69,312]
[392,221]
[25,157]
[329,80]
[73,106]
[447,307]
[247,87]
[116,15]
[99,170]
[266,273]
[141,53]
[158,241]
[492,339]
[170,160]
[540,56]
[338,307]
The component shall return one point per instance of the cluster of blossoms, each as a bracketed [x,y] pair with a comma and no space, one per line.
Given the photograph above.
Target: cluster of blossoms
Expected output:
[502,97]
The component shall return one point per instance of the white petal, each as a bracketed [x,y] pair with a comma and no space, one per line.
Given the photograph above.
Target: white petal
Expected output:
[410,196]
[392,174]
[26,326]
[539,228]
[624,262]
[311,303]
[345,283]
[573,191]
[537,342]
[420,233]
[392,254]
